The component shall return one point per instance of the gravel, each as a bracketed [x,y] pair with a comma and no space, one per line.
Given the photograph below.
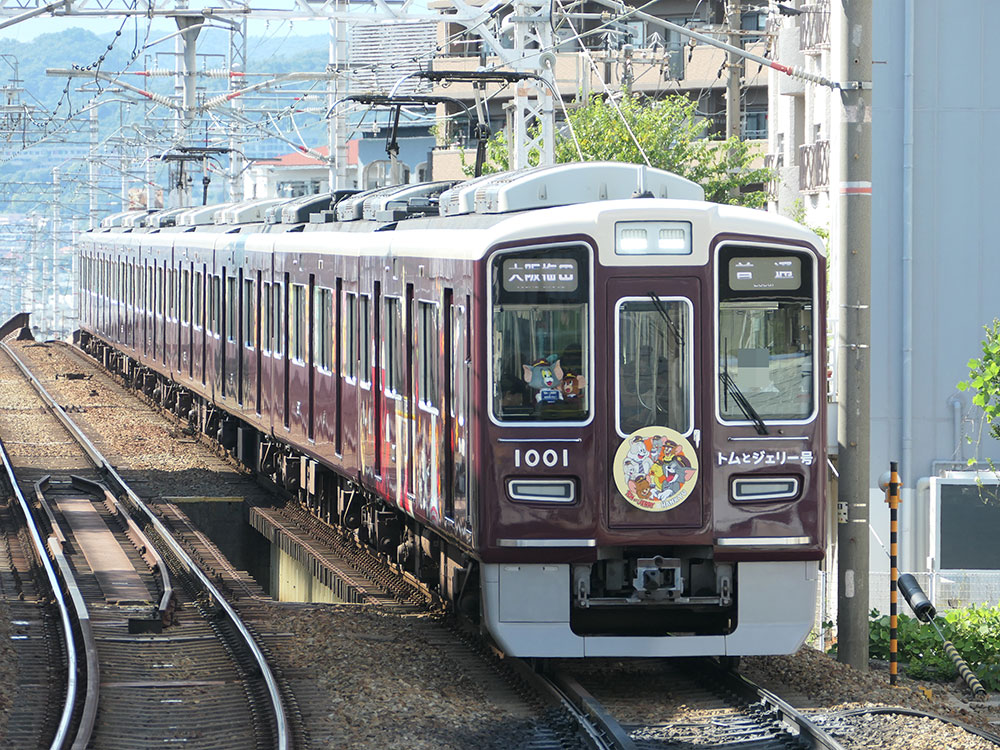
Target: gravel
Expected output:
[367,678]
[811,679]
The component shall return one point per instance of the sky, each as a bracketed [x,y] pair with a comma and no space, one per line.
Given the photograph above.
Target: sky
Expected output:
[26,31]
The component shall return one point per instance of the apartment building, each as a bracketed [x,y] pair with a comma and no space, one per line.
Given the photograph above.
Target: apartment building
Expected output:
[601,52]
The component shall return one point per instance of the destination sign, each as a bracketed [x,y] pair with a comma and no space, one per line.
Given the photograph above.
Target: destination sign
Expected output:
[746,274]
[548,275]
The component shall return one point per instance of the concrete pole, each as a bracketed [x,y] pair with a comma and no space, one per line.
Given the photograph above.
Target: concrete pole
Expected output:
[735,68]
[854,335]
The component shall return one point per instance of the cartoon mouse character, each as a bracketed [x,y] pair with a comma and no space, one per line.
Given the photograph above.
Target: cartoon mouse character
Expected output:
[571,384]
[545,377]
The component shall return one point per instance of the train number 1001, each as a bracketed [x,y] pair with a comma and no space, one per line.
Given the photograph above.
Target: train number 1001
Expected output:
[550,458]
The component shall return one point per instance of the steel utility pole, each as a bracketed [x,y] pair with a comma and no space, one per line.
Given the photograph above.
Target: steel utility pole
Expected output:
[854,335]
[735,69]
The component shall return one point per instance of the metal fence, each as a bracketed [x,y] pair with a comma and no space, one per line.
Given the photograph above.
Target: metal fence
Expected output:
[953,589]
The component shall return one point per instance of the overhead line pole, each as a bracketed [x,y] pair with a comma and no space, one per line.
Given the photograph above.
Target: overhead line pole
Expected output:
[854,335]
[735,69]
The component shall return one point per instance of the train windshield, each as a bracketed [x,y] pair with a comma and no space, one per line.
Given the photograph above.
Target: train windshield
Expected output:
[541,336]
[654,364]
[766,352]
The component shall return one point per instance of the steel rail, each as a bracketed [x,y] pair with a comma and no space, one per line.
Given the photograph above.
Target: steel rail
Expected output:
[148,552]
[57,540]
[791,716]
[282,731]
[66,716]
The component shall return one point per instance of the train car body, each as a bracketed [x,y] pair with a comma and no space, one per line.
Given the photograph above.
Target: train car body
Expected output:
[596,420]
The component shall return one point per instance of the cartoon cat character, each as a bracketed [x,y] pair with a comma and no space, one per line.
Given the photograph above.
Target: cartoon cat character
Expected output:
[544,376]
[672,476]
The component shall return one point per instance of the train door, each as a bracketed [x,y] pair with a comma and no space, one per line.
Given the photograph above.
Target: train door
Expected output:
[457,367]
[297,364]
[250,377]
[391,443]
[199,320]
[149,315]
[184,321]
[428,450]
[656,414]
[229,350]
[268,363]
[370,417]
[163,308]
[355,379]
[323,404]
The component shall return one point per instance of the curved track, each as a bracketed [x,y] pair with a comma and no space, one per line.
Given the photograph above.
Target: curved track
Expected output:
[203,679]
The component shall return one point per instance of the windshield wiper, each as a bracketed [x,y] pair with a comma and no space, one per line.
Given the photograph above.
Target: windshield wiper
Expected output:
[678,337]
[743,402]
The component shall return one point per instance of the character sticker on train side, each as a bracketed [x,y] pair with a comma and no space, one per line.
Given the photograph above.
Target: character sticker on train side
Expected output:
[655,469]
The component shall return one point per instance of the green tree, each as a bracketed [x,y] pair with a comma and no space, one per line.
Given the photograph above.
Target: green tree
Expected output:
[984,379]
[670,133]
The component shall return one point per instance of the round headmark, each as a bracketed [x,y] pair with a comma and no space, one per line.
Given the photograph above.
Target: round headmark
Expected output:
[655,469]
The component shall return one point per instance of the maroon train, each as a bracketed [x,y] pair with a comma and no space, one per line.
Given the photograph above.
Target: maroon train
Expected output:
[579,401]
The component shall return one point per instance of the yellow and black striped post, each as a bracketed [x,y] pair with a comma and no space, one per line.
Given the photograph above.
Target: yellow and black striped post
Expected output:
[892,497]
[963,669]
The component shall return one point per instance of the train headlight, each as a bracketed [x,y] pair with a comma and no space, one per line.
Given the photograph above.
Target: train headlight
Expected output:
[764,489]
[653,238]
[541,490]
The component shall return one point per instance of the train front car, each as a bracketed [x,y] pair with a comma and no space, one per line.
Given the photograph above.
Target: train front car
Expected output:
[656,430]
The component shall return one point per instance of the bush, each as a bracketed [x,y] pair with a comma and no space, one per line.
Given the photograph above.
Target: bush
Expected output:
[974,631]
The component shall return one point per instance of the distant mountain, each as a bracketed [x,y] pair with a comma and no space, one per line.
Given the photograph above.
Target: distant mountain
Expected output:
[25,175]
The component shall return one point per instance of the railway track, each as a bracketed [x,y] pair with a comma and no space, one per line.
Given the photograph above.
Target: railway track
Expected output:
[652,704]
[680,704]
[130,681]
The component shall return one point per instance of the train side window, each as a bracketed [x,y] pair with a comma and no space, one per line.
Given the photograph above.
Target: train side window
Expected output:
[267,333]
[249,314]
[365,340]
[120,286]
[149,299]
[278,319]
[297,323]
[185,296]
[428,355]
[172,294]
[232,302]
[541,335]
[395,370]
[158,292]
[215,305]
[323,332]
[198,300]
[350,336]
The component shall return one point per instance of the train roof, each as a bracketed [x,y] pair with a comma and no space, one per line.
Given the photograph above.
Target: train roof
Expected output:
[528,203]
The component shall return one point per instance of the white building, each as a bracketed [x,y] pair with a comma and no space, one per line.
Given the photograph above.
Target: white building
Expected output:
[933,258]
